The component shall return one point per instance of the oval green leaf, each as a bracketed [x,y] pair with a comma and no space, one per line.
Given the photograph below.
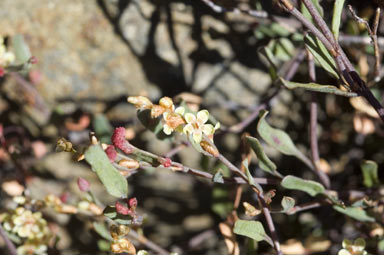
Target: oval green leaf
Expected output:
[251,229]
[279,139]
[310,187]
[357,213]
[370,175]
[112,180]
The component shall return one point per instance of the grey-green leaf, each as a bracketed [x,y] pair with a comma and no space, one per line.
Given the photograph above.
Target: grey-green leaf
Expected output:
[311,187]
[337,10]
[279,139]
[251,229]
[287,203]
[264,162]
[329,89]
[355,212]
[20,49]
[102,230]
[321,54]
[369,169]
[113,181]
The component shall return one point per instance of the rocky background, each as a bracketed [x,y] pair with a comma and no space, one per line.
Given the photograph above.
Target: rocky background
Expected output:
[93,54]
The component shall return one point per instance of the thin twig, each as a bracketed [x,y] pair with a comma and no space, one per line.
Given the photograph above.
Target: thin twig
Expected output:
[8,242]
[265,208]
[220,9]
[313,126]
[147,243]
[373,34]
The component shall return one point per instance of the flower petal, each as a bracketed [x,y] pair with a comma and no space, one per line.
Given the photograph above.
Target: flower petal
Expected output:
[197,136]
[188,129]
[202,116]
[180,110]
[190,118]
[208,129]
[217,126]
[167,129]
[343,252]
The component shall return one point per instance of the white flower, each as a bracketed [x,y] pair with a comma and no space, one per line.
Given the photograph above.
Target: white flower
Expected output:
[173,120]
[197,127]
[357,248]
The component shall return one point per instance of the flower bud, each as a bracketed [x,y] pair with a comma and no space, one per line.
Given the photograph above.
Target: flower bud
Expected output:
[119,141]
[83,184]
[140,102]
[132,203]
[111,153]
[206,146]
[166,102]
[130,164]
[122,209]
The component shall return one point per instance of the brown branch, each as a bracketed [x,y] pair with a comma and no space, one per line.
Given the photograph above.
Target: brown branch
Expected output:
[313,126]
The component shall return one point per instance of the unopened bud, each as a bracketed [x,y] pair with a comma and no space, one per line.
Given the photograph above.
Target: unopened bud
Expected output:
[115,248]
[2,72]
[32,60]
[167,162]
[95,209]
[111,153]
[127,246]
[132,203]
[122,209]
[119,141]
[64,145]
[166,102]
[206,146]
[83,184]
[130,164]
[140,102]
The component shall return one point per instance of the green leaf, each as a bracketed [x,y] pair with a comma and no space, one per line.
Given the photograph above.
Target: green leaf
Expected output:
[102,230]
[337,10]
[20,49]
[369,169]
[251,229]
[355,212]
[153,124]
[329,89]
[311,187]
[287,203]
[102,128]
[251,181]
[113,181]
[279,139]
[264,162]
[321,54]
[267,54]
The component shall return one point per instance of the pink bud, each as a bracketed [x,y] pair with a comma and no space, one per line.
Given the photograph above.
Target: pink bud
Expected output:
[118,139]
[64,197]
[121,209]
[132,203]
[167,162]
[2,72]
[111,153]
[83,184]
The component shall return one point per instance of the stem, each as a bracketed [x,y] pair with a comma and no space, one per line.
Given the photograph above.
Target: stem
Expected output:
[8,242]
[265,209]
[147,243]
[313,126]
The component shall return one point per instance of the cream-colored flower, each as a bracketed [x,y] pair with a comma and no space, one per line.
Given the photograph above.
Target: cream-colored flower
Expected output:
[197,127]
[173,120]
[355,248]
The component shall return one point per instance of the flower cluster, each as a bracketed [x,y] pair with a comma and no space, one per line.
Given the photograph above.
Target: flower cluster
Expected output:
[30,227]
[355,248]
[6,57]
[176,119]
